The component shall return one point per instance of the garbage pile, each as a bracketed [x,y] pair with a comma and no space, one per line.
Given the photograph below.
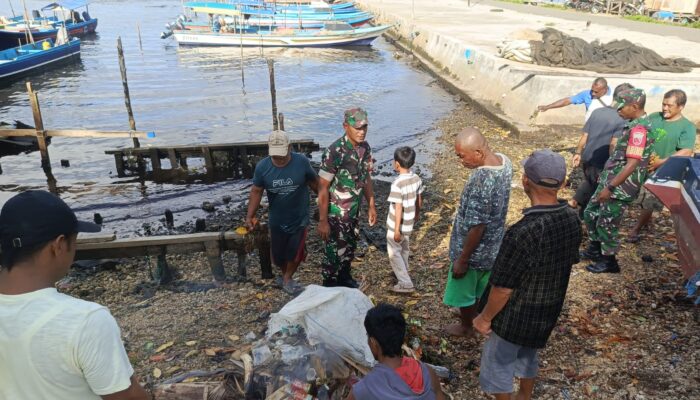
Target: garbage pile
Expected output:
[315,348]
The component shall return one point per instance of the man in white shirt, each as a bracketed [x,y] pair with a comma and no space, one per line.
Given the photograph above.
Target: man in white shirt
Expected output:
[53,346]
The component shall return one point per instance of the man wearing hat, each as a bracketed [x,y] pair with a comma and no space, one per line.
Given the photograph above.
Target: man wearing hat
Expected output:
[344,179]
[286,177]
[53,346]
[619,183]
[529,280]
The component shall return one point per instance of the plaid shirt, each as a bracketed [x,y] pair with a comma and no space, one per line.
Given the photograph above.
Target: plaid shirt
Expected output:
[535,261]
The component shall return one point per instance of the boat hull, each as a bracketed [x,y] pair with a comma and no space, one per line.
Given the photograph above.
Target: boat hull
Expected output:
[677,185]
[361,37]
[9,39]
[39,61]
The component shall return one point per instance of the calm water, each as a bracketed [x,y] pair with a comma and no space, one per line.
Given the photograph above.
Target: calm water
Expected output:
[195,95]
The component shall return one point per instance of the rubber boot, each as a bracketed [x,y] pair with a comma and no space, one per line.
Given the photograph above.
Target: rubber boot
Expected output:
[607,264]
[592,252]
[345,279]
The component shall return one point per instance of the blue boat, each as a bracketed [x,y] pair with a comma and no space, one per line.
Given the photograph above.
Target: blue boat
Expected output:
[30,58]
[46,27]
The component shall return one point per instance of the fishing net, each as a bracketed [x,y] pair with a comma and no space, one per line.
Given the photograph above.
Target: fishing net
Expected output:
[557,49]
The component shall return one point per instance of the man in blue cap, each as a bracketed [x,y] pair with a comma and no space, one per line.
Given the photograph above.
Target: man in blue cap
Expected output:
[528,281]
[53,346]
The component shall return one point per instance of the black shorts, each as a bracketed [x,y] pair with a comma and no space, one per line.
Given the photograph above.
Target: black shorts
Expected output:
[287,247]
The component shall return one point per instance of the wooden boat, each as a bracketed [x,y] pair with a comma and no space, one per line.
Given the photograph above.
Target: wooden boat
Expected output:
[30,58]
[332,35]
[677,185]
[65,14]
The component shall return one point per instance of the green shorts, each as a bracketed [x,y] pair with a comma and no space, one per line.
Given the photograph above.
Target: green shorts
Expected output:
[466,291]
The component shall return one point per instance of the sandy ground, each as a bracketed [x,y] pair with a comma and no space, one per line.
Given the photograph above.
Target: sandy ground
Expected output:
[626,336]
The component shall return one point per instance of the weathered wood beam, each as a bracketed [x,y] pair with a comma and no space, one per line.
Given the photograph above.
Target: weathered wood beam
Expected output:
[77,133]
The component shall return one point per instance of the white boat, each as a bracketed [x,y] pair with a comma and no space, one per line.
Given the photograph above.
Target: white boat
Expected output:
[336,34]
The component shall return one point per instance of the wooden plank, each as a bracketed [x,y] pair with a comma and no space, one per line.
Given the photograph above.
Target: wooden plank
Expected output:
[155,159]
[76,133]
[96,237]
[222,146]
[172,156]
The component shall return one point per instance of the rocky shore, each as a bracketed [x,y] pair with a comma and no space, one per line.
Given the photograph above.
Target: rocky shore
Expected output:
[626,336]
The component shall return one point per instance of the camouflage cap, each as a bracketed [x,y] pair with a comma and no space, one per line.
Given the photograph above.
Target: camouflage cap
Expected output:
[629,96]
[356,117]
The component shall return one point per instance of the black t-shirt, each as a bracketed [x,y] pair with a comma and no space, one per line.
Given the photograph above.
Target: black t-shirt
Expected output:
[601,127]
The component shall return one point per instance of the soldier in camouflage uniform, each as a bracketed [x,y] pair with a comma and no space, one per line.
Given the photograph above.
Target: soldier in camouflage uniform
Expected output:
[619,183]
[344,179]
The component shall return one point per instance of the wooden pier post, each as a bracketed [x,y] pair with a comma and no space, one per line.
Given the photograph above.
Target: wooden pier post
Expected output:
[213,251]
[163,274]
[125,83]
[138,29]
[39,126]
[273,93]
[280,118]
[242,260]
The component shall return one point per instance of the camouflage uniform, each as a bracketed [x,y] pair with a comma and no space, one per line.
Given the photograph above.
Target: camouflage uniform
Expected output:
[603,219]
[347,168]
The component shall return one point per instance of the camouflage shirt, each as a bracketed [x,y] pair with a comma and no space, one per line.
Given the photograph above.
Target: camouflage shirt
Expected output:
[347,168]
[637,141]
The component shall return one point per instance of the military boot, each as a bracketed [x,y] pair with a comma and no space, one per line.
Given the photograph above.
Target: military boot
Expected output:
[592,252]
[345,279]
[606,264]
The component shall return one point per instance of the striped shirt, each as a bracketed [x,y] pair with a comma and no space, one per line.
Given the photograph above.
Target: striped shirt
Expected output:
[404,190]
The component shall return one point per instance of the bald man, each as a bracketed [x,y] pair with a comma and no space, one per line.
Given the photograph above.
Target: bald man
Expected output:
[478,226]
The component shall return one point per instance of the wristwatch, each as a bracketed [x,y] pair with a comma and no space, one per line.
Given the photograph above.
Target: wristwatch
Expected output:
[610,187]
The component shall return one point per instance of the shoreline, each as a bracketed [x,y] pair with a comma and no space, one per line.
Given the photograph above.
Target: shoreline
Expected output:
[603,347]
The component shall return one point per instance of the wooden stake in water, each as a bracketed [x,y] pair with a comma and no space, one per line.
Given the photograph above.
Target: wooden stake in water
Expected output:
[273,93]
[39,126]
[125,83]
[138,29]
[280,118]
[240,30]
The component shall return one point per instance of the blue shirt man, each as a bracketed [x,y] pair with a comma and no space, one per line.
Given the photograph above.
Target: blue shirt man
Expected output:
[286,177]
[599,96]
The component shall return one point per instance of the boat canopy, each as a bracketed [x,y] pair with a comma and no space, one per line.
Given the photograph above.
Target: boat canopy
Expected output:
[67,4]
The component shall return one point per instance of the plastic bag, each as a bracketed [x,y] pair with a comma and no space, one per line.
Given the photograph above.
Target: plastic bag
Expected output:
[332,316]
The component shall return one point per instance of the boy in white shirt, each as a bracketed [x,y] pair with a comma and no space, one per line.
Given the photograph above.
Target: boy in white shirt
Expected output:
[53,346]
[405,202]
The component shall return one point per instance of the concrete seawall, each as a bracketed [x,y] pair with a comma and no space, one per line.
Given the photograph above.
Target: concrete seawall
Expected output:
[459,44]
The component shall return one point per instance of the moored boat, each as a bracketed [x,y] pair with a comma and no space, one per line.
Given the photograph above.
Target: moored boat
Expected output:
[30,58]
[677,184]
[46,27]
[335,34]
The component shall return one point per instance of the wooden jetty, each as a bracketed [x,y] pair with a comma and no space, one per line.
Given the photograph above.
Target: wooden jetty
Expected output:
[102,246]
[221,161]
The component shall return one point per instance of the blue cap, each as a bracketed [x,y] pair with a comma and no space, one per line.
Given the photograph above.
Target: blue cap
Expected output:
[545,168]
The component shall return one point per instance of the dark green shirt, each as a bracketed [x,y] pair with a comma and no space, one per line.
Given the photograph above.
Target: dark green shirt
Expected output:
[679,134]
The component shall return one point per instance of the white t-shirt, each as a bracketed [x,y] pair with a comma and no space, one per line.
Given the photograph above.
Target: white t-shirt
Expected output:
[53,346]
[604,101]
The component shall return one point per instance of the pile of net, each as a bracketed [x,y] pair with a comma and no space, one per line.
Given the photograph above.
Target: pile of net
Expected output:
[557,49]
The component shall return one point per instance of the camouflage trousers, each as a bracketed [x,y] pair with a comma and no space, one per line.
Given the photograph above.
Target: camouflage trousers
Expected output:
[340,247]
[603,221]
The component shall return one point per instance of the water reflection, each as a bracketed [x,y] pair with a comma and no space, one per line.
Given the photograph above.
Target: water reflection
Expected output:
[195,95]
